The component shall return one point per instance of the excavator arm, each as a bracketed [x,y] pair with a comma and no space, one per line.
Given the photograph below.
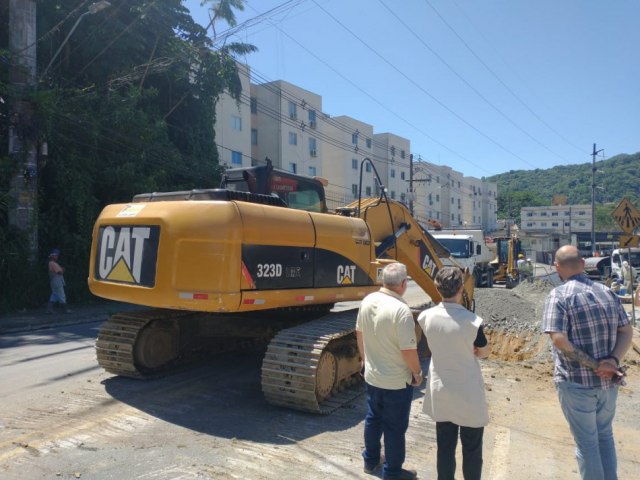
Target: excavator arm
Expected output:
[397,235]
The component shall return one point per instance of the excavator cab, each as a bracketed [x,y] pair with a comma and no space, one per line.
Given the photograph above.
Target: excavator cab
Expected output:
[296,191]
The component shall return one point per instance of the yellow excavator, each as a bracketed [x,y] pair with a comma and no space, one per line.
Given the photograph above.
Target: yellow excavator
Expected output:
[258,260]
[504,265]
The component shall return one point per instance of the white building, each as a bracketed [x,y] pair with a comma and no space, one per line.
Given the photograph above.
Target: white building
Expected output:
[285,123]
[556,219]
[349,141]
[233,126]
[286,128]
[391,158]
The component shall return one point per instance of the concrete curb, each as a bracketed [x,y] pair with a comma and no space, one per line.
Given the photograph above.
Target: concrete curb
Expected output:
[39,319]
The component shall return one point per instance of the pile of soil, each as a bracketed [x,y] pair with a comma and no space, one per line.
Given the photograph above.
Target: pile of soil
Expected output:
[512,320]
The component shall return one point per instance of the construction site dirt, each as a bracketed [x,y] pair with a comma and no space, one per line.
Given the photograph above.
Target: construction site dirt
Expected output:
[63,417]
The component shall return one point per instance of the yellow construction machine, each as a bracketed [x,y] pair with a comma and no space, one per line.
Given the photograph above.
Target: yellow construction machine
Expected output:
[258,260]
[505,268]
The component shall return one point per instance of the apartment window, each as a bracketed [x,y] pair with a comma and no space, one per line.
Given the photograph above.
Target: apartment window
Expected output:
[529,214]
[554,214]
[453,217]
[458,185]
[293,138]
[582,224]
[543,214]
[312,119]
[368,191]
[254,136]
[368,142]
[437,197]
[354,189]
[312,171]
[254,105]
[566,224]
[393,194]
[403,197]
[236,158]
[368,167]
[312,147]
[377,188]
[582,212]
[452,200]
[438,179]
[402,153]
[354,138]
[543,224]
[566,213]
[293,111]
[293,168]
[401,175]
[354,163]
[530,224]
[554,224]
[393,151]
[236,123]
[392,173]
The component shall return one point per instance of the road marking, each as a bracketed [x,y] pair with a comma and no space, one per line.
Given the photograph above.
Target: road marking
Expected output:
[500,454]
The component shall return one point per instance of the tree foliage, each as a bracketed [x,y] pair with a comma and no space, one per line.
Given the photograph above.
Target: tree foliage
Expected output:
[128,106]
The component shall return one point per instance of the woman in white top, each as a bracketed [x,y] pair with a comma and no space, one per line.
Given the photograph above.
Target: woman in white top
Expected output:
[455,397]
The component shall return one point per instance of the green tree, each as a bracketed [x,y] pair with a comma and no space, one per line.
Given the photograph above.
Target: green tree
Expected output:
[510,204]
[127,107]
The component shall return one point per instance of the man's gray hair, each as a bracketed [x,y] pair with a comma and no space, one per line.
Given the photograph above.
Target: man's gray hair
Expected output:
[448,281]
[394,274]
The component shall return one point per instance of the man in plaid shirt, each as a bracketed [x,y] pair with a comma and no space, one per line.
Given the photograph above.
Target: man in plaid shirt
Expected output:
[590,333]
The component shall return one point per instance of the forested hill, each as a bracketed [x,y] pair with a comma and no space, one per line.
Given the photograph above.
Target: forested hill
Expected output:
[616,178]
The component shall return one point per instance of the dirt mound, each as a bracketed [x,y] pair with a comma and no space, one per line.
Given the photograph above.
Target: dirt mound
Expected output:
[512,321]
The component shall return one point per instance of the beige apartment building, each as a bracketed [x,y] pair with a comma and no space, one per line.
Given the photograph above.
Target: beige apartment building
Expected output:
[391,158]
[455,201]
[286,127]
[233,126]
[349,141]
[286,123]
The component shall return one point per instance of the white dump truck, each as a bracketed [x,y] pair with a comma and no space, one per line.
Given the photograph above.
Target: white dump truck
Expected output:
[610,267]
[468,249]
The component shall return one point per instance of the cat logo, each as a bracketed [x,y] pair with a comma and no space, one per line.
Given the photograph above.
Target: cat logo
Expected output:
[346,274]
[127,254]
[428,263]
[429,266]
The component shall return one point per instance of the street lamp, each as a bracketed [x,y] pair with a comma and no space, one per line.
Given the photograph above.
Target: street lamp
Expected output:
[93,8]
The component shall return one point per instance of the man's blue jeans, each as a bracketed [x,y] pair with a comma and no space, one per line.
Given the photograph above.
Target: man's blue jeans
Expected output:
[590,413]
[388,414]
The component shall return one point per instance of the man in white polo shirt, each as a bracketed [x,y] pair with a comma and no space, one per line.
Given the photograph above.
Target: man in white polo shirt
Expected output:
[387,345]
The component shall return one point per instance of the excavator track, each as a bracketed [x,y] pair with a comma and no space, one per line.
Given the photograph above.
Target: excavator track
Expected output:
[117,346]
[314,367]
[150,343]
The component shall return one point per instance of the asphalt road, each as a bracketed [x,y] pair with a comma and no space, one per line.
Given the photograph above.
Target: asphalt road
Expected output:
[63,417]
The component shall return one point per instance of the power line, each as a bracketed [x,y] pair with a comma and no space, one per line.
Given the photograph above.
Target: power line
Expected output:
[522,102]
[487,101]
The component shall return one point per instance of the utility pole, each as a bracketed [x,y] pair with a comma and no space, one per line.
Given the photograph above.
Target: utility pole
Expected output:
[411,183]
[22,141]
[593,201]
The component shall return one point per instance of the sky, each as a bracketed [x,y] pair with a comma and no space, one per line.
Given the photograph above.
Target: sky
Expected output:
[482,86]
